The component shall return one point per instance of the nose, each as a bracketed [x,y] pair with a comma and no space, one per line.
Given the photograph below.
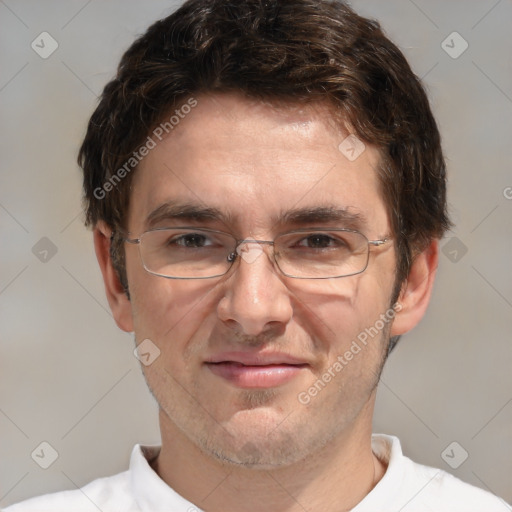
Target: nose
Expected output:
[256,299]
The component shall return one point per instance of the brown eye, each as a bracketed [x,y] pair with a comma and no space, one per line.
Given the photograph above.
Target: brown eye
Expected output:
[193,240]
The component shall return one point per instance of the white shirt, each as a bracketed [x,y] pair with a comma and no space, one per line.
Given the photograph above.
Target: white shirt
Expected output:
[405,487]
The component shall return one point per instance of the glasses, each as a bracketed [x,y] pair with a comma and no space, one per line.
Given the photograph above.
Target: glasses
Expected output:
[191,253]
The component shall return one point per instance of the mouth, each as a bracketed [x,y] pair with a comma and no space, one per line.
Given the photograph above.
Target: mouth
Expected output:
[256,370]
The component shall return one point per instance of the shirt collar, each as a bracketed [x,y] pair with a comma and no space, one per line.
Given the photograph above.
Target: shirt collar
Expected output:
[151,493]
[389,451]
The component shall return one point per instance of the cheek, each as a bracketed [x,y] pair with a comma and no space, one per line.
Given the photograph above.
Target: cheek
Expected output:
[169,311]
[336,311]
[345,326]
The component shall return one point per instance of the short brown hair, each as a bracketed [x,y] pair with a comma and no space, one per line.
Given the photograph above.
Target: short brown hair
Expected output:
[274,50]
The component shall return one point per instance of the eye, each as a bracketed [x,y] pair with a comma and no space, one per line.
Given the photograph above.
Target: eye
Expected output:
[321,241]
[191,240]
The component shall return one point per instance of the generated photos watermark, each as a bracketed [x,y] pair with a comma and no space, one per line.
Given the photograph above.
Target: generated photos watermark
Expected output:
[157,135]
[356,347]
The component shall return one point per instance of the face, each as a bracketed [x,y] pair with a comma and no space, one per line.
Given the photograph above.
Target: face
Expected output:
[256,367]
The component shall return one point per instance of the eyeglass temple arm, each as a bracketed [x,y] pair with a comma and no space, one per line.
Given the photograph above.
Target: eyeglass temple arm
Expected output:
[124,239]
[379,242]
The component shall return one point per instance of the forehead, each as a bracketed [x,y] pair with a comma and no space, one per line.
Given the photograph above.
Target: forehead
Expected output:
[255,162]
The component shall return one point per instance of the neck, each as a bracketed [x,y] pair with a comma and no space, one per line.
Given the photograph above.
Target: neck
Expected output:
[334,479]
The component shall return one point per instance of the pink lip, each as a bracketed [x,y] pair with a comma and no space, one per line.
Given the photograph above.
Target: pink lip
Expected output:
[256,358]
[255,370]
[255,376]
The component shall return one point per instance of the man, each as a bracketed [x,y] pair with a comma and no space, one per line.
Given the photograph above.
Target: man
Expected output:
[267,191]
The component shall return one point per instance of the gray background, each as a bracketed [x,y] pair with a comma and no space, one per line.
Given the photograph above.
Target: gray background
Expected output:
[68,374]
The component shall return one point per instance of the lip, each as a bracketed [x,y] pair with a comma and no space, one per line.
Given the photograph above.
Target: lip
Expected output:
[256,370]
[256,358]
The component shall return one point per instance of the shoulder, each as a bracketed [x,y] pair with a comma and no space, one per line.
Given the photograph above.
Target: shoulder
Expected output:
[106,494]
[435,489]
[411,487]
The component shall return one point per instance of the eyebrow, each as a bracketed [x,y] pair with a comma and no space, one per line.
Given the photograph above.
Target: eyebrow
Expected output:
[173,210]
[324,215]
[321,215]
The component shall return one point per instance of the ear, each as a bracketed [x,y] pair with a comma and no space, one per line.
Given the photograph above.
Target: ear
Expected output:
[416,290]
[120,305]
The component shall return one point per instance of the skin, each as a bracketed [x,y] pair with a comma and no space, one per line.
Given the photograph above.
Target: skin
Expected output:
[228,448]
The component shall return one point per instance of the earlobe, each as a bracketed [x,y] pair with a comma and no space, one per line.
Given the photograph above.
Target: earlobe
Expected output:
[416,290]
[119,303]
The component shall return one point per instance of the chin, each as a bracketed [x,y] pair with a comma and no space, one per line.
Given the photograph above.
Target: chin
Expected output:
[256,453]
[262,439]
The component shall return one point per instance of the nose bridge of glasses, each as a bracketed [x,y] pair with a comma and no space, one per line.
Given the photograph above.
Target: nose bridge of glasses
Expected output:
[254,241]
[250,249]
